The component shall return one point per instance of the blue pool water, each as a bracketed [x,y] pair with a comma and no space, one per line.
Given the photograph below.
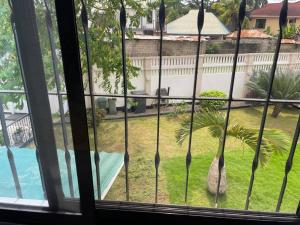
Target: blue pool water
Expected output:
[29,175]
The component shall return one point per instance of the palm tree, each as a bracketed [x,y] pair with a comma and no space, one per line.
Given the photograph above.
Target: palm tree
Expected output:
[286,85]
[273,141]
[227,11]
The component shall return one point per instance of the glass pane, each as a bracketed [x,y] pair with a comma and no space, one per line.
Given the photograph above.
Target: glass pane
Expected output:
[101,51]
[22,177]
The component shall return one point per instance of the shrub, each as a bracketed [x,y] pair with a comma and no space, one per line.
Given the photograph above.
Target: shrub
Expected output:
[100,114]
[213,104]
[212,48]
[286,85]
[291,31]
[179,109]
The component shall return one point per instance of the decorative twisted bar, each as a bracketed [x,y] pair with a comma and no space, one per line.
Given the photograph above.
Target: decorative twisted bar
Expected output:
[200,21]
[49,26]
[84,20]
[242,11]
[125,84]
[282,24]
[289,164]
[162,16]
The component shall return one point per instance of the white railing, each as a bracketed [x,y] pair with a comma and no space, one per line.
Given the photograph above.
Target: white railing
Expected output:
[216,63]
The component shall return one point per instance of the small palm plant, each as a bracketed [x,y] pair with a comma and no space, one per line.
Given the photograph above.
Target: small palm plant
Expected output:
[286,85]
[273,141]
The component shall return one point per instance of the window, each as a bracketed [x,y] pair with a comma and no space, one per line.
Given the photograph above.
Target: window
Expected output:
[260,23]
[292,21]
[149,17]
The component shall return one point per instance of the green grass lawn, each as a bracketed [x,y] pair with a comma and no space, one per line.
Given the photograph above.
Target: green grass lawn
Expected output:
[238,166]
[142,147]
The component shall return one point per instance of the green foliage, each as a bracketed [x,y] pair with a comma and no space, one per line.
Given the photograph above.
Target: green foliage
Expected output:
[268,31]
[214,121]
[9,69]
[213,104]
[212,48]
[228,11]
[246,23]
[1,140]
[174,9]
[104,40]
[179,110]
[100,115]
[286,85]
[18,130]
[291,31]
[10,75]
[132,104]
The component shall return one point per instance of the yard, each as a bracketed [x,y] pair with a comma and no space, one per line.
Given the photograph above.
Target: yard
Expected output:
[238,158]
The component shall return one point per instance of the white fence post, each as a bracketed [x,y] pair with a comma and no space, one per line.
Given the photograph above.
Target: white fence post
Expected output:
[200,74]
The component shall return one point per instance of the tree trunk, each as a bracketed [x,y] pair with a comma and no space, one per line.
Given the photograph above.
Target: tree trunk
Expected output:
[212,179]
[277,109]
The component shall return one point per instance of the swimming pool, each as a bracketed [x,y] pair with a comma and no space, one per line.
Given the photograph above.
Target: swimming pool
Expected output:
[30,179]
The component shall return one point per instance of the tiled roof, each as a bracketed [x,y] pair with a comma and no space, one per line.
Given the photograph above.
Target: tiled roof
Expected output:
[273,10]
[187,25]
[249,34]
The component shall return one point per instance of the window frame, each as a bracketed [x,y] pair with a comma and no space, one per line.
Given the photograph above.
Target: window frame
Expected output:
[259,20]
[292,20]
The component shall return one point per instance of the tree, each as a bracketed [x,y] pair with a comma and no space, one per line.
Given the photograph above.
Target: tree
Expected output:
[259,3]
[228,11]
[10,73]
[104,41]
[286,85]
[9,68]
[273,141]
[174,9]
[194,4]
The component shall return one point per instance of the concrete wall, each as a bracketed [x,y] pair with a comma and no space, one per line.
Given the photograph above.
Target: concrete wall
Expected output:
[145,48]
[178,74]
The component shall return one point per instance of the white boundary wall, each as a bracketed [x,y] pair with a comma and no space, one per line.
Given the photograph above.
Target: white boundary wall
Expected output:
[214,73]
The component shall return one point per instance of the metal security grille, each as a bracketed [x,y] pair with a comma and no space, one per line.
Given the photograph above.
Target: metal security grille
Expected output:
[77,108]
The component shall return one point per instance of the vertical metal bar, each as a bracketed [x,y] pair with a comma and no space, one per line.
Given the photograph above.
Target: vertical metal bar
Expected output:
[162,16]
[84,19]
[221,164]
[126,155]
[10,155]
[34,79]
[66,19]
[25,88]
[289,164]
[49,26]
[298,210]
[200,21]
[282,23]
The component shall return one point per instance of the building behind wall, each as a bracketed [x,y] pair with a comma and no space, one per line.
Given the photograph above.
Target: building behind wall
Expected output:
[266,18]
